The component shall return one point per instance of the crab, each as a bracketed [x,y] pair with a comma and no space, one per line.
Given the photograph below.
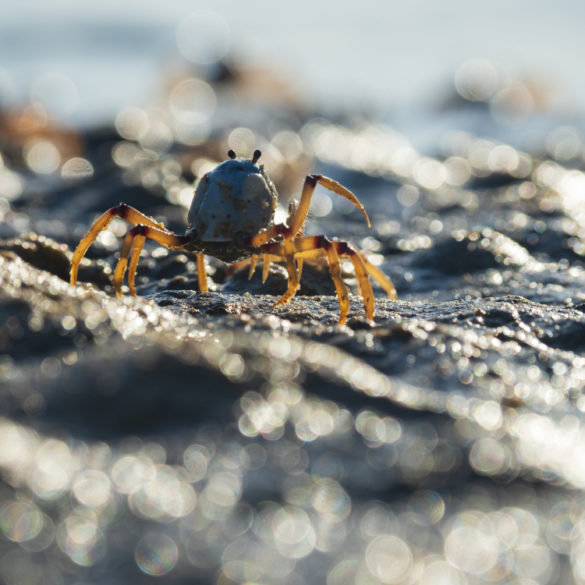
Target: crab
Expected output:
[232,218]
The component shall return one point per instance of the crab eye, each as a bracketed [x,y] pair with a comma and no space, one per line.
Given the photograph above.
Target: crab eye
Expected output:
[231,153]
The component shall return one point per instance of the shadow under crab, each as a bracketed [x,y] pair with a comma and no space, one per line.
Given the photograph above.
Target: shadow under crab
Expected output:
[232,218]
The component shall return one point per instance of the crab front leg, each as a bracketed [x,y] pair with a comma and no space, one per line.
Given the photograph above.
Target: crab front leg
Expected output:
[295,225]
[122,211]
[284,251]
[381,279]
[298,216]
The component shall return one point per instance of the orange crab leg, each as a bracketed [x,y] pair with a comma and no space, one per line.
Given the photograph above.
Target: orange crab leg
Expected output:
[133,243]
[253,262]
[365,287]
[308,247]
[145,227]
[317,246]
[299,215]
[381,279]
[201,273]
[122,211]
[359,261]
[311,243]
[136,250]
[288,251]
[266,260]
[335,270]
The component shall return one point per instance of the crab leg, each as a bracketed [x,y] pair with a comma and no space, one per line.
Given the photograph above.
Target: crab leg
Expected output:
[381,279]
[358,261]
[122,211]
[364,284]
[363,268]
[201,272]
[145,227]
[299,215]
[132,267]
[133,243]
[266,260]
[318,246]
[335,270]
[253,262]
[288,252]
[311,246]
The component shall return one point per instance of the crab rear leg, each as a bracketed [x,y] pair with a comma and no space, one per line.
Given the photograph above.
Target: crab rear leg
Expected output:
[132,247]
[359,266]
[381,279]
[122,211]
[319,246]
[335,270]
[363,270]
[311,246]
[136,250]
[252,262]
[133,243]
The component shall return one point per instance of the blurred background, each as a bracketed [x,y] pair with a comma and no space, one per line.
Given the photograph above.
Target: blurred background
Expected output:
[85,61]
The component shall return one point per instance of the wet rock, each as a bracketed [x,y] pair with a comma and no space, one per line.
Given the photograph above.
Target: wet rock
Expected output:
[568,335]
[40,251]
[473,252]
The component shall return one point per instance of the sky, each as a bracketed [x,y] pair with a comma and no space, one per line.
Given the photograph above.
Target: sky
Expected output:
[387,54]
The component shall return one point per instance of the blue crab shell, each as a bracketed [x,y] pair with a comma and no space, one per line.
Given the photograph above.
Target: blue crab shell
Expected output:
[235,198]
